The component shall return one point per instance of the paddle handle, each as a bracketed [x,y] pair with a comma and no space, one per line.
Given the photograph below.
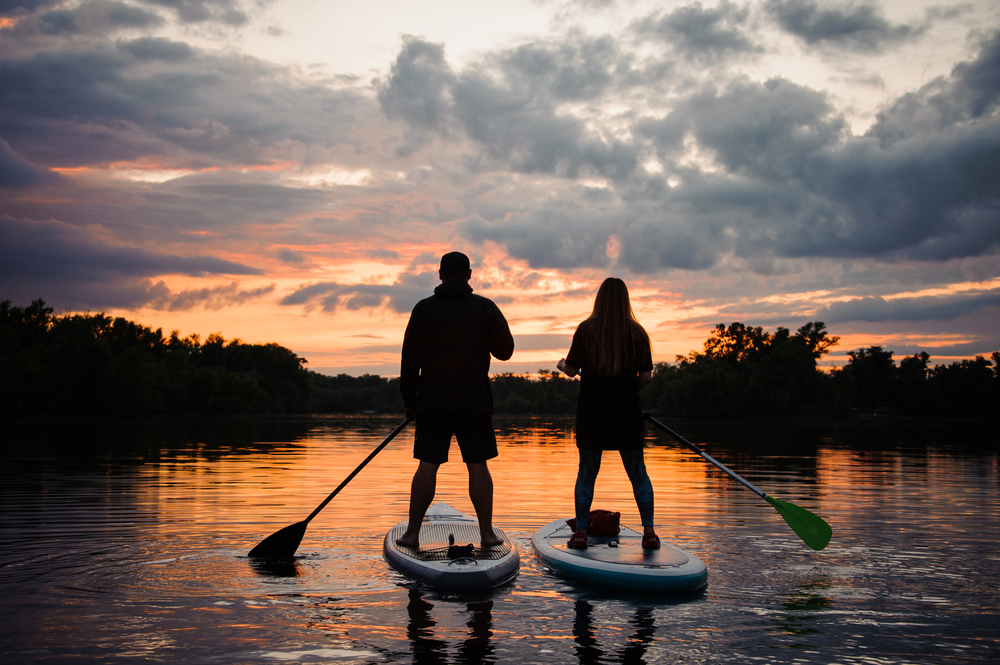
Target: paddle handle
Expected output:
[348,479]
[708,458]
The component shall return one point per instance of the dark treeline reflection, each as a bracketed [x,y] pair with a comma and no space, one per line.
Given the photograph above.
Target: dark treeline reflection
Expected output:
[153,439]
[94,364]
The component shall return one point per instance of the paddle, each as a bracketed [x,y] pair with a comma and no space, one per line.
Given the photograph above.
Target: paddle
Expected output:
[282,544]
[812,529]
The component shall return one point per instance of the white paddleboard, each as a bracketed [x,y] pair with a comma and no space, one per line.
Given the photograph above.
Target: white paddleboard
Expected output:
[619,562]
[438,564]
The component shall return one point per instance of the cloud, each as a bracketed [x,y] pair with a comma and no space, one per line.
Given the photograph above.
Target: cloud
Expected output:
[158,48]
[513,120]
[856,26]
[155,97]
[766,130]
[16,171]
[559,236]
[417,89]
[218,297]
[928,308]
[97,18]
[228,12]
[71,267]
[983,347]
[14,7]
[969,94]
[703,35]
[332,297]
[750,170]
[578,68]
[286,255]
[54,250]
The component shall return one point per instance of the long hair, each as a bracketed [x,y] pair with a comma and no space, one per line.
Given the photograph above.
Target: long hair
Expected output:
[614,332]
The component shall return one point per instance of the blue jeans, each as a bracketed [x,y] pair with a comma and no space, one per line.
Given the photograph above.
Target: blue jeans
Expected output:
[635,467]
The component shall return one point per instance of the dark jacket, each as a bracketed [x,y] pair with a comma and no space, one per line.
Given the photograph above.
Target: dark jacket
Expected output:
[446,351]
[608,411]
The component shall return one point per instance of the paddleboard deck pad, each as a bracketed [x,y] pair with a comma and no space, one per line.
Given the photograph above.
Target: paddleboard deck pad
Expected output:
[619,562]
[449,555]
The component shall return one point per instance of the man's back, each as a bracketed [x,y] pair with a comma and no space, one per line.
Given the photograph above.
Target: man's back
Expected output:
[446,351]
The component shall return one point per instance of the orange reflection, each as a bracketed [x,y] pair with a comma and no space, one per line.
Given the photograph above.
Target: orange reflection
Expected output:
[534,477]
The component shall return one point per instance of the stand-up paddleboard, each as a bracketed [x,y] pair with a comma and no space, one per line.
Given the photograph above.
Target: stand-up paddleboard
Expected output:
[619,561]
[449,556]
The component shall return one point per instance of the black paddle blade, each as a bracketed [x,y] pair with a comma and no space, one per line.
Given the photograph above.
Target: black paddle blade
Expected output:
[280,544]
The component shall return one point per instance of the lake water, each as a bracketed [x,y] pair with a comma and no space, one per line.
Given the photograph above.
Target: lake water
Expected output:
[126,541]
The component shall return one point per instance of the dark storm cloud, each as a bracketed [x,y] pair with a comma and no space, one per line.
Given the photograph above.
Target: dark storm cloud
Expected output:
[700,34]
[158,48]
[331,296]
[286,255]
[16,171]
[971,92]
[15,7]
[768,131]
[858,26]
[229,12]
[229,295]
[418,87]
[48,250]
[152,96]
[415,283]
[224,204]
[96,18]
[796,184]
[788,179]
[559,236]
[927,308]
[514,120]
[70,268]
[577,69]
[984,347]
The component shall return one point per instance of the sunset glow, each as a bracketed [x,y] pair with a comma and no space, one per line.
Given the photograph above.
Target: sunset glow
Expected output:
[291,172]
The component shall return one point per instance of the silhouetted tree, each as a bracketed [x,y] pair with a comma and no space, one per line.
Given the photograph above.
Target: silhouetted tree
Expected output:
[746,370]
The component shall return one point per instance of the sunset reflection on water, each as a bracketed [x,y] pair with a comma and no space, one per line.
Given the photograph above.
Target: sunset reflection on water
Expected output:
[128,540]
[533,476]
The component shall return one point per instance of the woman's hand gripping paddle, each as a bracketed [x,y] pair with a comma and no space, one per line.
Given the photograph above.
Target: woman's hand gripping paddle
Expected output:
[812,529]
[282,544]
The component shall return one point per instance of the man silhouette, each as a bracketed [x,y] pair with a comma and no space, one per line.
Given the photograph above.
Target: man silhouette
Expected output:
[444,379]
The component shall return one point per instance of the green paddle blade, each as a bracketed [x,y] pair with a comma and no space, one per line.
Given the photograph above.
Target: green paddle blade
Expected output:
[811,528]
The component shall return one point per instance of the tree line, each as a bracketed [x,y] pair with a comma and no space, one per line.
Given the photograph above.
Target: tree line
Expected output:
[747,371]
[96,364]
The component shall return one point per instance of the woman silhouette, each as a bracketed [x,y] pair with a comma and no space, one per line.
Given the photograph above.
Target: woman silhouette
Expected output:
[612,353]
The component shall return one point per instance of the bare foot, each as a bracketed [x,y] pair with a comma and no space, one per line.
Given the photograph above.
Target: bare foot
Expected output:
[409,540]
[489,539]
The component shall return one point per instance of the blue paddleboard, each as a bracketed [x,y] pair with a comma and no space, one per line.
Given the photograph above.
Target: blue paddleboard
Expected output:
[619,562]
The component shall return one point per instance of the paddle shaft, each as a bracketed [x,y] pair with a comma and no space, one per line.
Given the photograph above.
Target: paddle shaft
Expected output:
[708,458]
[349,478]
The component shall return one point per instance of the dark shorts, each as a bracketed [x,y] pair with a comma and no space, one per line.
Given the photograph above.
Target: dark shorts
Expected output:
[473,431]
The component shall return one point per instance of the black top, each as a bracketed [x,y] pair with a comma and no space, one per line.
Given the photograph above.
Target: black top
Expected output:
[608,412]
[446,351]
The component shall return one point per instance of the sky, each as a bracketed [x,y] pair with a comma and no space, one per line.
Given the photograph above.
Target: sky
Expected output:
[291,171]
